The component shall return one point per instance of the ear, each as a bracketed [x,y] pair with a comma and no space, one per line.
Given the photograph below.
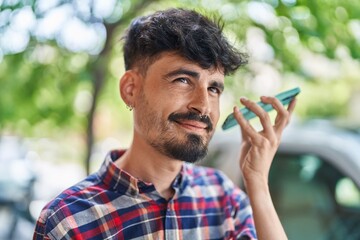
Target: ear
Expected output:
[129,85]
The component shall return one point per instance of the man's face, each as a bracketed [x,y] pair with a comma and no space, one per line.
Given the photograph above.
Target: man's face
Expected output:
[178,107]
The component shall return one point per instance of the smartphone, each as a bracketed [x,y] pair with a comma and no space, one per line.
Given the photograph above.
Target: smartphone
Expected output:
[284,97]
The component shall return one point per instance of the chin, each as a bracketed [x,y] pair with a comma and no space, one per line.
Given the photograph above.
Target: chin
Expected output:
[192,150]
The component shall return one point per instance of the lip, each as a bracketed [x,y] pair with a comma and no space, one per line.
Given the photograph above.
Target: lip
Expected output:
[192,125]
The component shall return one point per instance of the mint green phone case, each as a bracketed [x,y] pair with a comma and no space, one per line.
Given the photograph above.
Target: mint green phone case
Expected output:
[284,97]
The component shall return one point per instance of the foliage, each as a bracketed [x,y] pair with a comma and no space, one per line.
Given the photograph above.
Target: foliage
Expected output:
[312,44]
[51,80]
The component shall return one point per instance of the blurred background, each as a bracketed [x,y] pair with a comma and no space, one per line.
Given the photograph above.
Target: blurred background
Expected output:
[61,60]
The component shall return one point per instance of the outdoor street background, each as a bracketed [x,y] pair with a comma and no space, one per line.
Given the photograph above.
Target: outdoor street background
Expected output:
[61,60]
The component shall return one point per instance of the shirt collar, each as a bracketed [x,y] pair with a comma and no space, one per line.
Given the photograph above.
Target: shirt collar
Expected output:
[121,181]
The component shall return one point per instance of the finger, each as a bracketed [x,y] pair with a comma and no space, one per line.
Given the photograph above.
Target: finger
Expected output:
[292,105]
[247,131]
[261,113]
[282,113]
[290,109]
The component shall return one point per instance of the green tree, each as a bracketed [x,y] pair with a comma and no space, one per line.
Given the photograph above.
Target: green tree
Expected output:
[61,59]
[48,79]
[313,44]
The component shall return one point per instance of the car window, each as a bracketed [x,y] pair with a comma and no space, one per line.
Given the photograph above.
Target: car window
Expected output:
[314,200]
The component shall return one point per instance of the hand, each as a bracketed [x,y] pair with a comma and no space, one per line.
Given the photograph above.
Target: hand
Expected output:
[258,148]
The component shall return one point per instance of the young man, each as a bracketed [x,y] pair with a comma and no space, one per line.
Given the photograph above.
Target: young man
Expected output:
[175,62]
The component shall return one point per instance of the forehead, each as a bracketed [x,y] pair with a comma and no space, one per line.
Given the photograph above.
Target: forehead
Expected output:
[169,61]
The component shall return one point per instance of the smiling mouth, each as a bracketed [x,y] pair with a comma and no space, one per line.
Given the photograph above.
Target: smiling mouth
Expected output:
[193,125]
[191,121]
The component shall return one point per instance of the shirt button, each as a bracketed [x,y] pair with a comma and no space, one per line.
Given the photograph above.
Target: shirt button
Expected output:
[133,192]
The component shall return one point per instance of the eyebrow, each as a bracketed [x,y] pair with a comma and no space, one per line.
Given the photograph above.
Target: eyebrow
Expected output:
[181,71]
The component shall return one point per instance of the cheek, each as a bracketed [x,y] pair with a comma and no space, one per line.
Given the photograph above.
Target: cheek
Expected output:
[165,98]
[215,111]
[172,103]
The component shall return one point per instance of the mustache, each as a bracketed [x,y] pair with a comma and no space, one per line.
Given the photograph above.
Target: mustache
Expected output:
[175,117]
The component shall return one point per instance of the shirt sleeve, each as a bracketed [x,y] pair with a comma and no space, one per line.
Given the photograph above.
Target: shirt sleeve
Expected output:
[40,230]
[241,214]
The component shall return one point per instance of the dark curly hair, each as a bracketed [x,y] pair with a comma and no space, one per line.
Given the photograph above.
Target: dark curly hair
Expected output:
[185,32]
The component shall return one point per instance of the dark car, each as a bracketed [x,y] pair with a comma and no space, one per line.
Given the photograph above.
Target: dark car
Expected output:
[314,179]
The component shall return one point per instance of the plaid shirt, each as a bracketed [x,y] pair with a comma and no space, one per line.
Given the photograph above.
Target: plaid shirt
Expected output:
[111,204]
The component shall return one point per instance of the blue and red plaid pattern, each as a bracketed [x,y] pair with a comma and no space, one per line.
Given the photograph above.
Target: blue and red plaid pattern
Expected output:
[111,204]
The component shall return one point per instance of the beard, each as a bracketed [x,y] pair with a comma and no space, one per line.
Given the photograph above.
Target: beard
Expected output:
[192,147]
[164,136]
[190,150]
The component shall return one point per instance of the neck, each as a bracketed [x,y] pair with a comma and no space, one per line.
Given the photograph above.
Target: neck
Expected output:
[144,162]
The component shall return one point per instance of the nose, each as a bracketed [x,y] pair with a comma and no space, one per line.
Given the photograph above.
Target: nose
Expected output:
[199,102]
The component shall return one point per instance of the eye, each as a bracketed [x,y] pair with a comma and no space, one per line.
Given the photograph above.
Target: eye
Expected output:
[215,90]
[182,80]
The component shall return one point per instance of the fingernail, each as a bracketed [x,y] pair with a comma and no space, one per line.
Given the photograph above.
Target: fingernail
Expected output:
[244,99]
